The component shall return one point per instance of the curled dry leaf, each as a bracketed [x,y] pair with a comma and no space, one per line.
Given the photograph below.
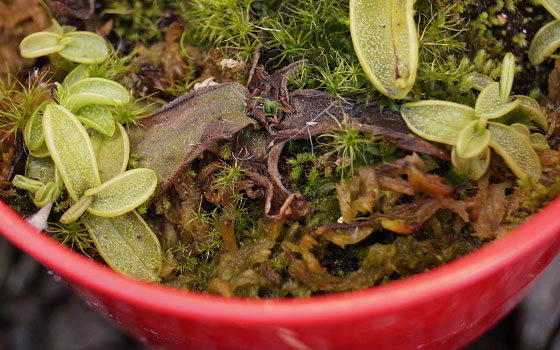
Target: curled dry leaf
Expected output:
[66,10]
[317,112]
[172,138]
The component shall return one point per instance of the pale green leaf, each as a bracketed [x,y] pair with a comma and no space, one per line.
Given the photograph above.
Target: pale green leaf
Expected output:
[516,151]
[545,42]
[70,148]
[97,91]
[439,121]
[474,167]
[41,193]
[538,141]
[40,152]
[33,132]
[123,192]
[127,244]
[552,6]
[97,117]
[77,74]
[478,81]
[490,105]
[522,129]
[40,44]
[506,79]
[472,140]
[55,28]
[44,170]
[45,195]
[26,183]
[386,42]
[84,47]
[111,153]
[68,29]
[76,210]
[531,110]
[41,169]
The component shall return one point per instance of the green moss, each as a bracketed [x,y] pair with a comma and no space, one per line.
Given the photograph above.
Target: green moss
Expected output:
[285,32]
[228,24]
[18,101]
[533,197]
[74,236]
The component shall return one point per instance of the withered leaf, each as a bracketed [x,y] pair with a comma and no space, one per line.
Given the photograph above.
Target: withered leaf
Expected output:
[63,10]
[173,137]
[317,112]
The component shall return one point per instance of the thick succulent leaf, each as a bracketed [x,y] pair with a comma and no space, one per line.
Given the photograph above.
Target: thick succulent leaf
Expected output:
[40,44]
[76,210]
[41,169]
[173,137]
[545,42]
[538,141]
[516,151]
[55,28]
[474,167]
[98,91]
[490,105]
[41,152]
[33,132]
[438,121]
[68,29]
[111,152]
[70,148]
[122,193]
[97,117]
[44,170]
[26,183]
[45,195]
[84,47]
[478,81]
[531,110]
[552,6]
[385,39]
[522,129]
[506,79]
[472,140]
[77,74]
[127,244]
[41,193]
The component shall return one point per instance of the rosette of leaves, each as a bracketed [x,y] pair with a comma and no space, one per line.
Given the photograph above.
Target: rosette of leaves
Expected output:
[89,164]
[547,39]
[121,236]
[72,45]
[91,99]
[80,162]
[498,121]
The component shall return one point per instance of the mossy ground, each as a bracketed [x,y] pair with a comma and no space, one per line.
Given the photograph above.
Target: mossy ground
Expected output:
[456,39]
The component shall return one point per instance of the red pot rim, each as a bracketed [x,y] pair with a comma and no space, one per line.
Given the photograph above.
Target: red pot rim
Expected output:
[381,300]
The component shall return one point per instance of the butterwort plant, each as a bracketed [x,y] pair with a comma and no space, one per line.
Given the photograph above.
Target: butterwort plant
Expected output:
[77,148]
[497,121]
[386,42]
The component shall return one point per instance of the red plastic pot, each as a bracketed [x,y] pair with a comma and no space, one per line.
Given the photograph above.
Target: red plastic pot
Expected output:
[441,309]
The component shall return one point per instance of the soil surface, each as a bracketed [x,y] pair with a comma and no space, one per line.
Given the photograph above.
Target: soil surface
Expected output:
[39,312]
